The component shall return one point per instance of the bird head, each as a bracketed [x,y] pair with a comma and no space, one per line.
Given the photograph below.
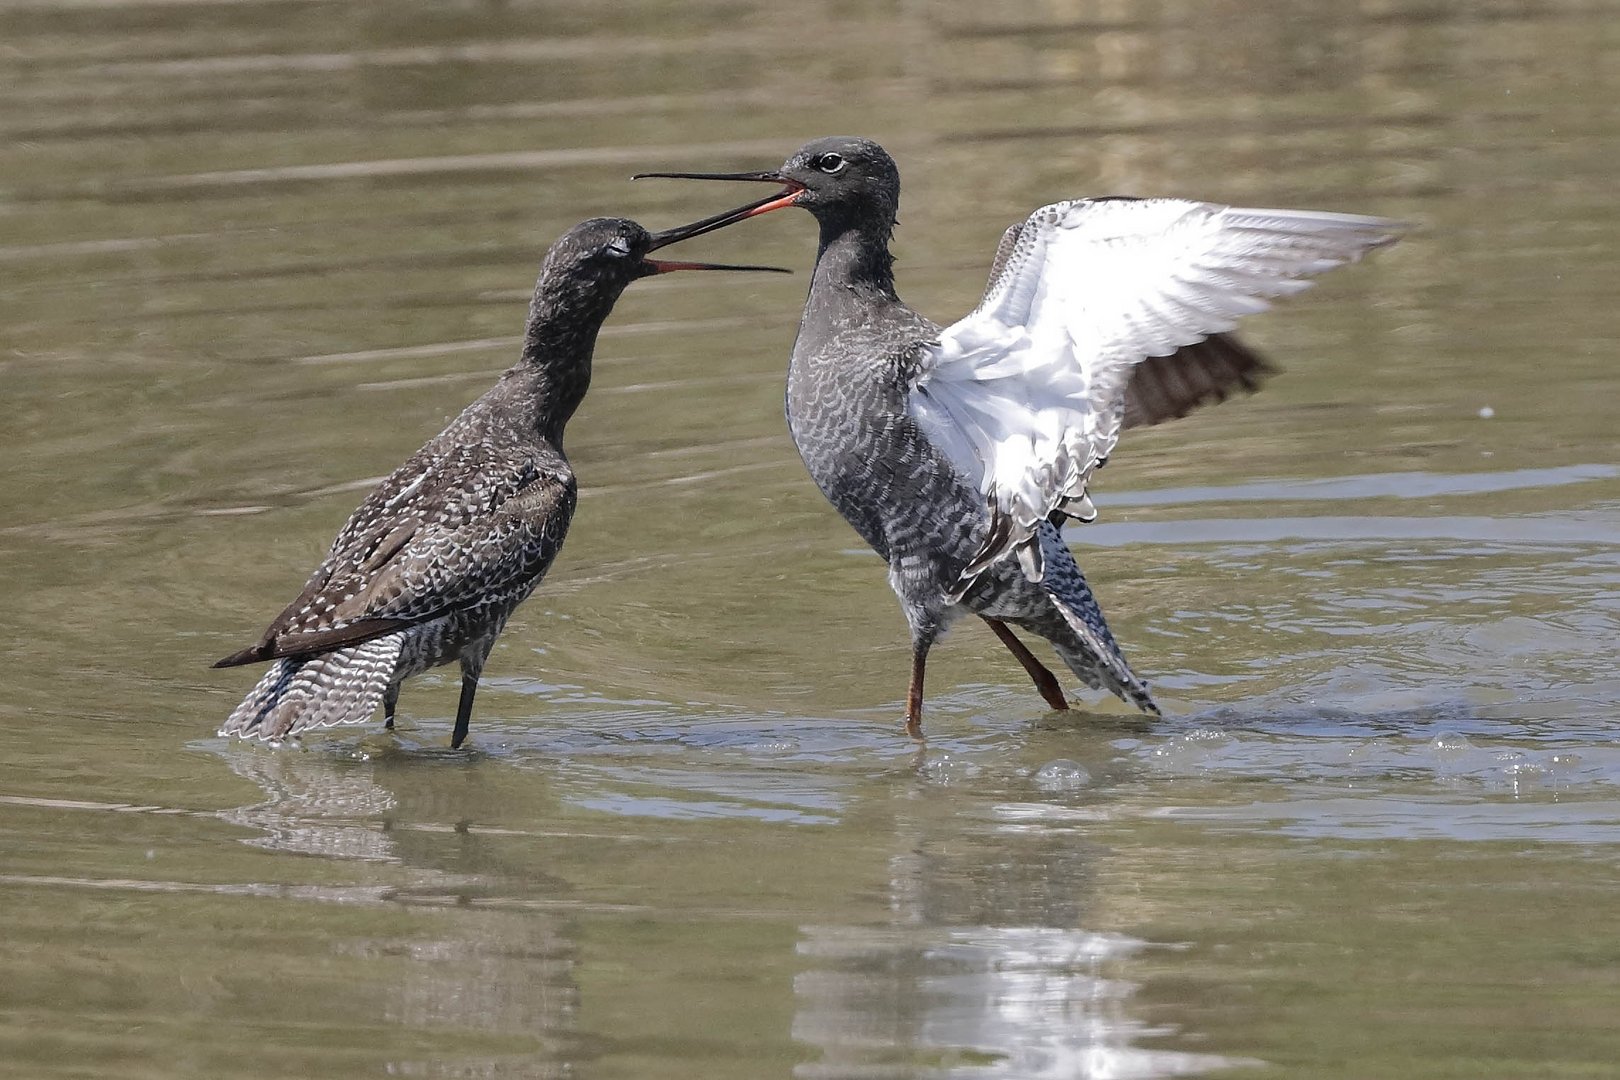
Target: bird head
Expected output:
[610,253]
[841,179]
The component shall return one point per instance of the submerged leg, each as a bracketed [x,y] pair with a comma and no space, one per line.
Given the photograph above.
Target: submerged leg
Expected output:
[472,666]
[914,693]
[390,702]
[469,687]
[1042,676]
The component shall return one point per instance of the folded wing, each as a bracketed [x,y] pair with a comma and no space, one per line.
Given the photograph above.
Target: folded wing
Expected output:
[1028,394]
[445,531]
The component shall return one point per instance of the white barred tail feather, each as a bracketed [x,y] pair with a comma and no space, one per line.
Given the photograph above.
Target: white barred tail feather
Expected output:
[298,694]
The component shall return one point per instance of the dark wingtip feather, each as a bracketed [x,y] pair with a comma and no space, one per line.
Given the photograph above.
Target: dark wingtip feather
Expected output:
[284,646]
[355,633]
[1169,387]
[251,655]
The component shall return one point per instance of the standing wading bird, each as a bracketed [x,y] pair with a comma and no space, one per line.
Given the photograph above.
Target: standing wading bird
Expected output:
[431,564]
[957,452]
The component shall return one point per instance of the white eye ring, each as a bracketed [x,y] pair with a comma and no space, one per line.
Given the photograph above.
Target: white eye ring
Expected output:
[619,246]
[831,163]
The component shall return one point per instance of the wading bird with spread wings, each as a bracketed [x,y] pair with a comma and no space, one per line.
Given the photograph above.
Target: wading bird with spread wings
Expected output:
[958,451]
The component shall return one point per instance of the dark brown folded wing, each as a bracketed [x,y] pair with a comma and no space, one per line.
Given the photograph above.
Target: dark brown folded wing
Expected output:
[442,532]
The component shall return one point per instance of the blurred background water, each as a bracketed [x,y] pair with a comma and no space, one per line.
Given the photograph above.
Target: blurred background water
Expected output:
[254,252]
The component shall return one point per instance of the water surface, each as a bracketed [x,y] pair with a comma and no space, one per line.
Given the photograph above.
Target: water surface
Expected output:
[256,251]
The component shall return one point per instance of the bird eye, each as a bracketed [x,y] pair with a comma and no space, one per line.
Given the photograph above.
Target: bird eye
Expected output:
[618,246]
[830,163]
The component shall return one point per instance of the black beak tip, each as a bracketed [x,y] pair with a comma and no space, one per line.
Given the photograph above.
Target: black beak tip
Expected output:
[767,176]
[660,266]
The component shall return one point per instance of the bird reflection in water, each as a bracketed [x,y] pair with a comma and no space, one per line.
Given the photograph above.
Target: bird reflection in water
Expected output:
[499,976]
[1032,995]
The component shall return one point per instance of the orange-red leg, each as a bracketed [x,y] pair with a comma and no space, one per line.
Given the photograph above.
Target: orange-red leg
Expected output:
[1043,678]
[914,694]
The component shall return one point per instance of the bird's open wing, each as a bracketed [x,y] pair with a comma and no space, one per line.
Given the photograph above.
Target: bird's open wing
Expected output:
[1206,372]
[1028,394]
[443,532]
[1169,387]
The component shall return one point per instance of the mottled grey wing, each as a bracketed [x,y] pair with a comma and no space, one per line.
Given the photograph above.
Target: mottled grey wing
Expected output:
[443,532]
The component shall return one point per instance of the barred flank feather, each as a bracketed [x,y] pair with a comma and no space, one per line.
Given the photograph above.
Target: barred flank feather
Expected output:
[1090,650]
[300,693]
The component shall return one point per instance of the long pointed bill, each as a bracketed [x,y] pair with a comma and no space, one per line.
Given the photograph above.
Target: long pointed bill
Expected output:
[784,198]
[665,266]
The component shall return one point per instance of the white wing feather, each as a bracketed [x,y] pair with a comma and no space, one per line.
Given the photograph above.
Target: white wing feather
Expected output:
[1026,394]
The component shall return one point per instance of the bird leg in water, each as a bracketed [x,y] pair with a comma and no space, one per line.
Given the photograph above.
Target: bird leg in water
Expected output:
[469,687]
[914,694]
[1044,680]
[390,703]
[472,666]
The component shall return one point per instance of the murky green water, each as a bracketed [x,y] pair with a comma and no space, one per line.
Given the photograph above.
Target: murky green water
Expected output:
[253,253]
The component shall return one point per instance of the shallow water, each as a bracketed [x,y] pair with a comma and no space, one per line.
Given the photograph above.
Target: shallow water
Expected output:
[255,251]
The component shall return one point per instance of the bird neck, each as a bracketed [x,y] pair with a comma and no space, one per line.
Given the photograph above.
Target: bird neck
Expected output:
[555,368]
[856,257]
[549,394]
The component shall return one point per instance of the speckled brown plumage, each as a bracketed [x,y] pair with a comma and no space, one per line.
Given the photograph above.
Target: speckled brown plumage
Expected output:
[430,566]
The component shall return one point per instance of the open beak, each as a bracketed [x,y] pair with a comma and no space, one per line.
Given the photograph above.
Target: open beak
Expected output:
[789,194]
[669,266]
[709,224]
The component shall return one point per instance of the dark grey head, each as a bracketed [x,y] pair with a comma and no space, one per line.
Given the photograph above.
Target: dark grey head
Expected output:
[843,180]
[602,254]
[843,176]
[610,253]
[590,264]
[583,275]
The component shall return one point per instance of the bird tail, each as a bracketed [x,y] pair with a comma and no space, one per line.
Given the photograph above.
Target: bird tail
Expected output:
[1089,648]
[298,693]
